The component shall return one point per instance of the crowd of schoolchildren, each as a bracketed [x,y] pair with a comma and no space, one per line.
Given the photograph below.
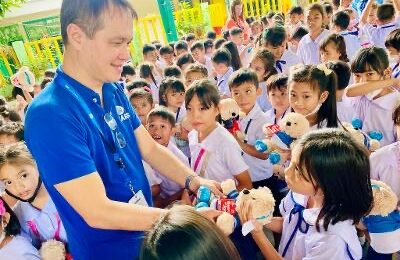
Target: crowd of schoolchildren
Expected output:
[331,63]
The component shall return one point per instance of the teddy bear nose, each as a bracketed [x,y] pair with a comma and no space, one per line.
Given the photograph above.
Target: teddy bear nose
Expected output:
[288,123]
[246,191]
[233,114]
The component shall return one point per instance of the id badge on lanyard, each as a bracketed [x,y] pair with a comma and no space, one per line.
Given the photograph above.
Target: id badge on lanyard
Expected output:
[138,197]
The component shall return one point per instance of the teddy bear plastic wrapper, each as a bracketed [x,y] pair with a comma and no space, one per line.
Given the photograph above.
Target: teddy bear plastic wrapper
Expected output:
[262,204]
[23,79]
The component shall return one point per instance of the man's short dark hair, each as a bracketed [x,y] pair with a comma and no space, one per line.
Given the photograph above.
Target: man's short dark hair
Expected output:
[190,37]
[341,19]
[222,55]
[148,48]
[235,31]
[88,14]
[137,83]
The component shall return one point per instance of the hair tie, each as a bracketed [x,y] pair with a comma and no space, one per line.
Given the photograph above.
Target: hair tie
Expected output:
[323,68]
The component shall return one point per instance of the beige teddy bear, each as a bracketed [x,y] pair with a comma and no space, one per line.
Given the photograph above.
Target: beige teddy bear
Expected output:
[23,79]
[230,115]
[52,250]
[362,138]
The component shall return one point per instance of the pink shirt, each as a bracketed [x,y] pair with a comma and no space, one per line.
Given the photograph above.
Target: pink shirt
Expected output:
[376,115]
[385,166]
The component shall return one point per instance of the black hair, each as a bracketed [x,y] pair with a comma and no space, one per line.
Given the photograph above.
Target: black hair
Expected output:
[208,44]
[338,41]
[168,84]
[197,67]
[332,161]
[218,43]
[343,73]
[222,56]
[328,8]
[141,93]
[166,49]
[235,31]
[278,81]
[211,35]
[336,3]
[157,44]
[172,45]
[44,82]
[296,10]
[13,128]
[242,76]
[225,35]
[268,60]
[148,48]
[190,37]
[184,59]
[197,45]
[396,115]
[274,36]
[319,80]
[341,19]
[18,91]
[206,92]
[145,71]
[385,12]
[236,63]
[270,14]
[181,45]
[49,73]
[393,40]
[137,83]
[299,33]
[372,58]
[127,69]
[264,21]
[164,113]
[13,227]
[172,71]
[13,116]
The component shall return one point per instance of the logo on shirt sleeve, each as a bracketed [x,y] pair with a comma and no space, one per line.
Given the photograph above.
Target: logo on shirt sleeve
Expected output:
[121,113]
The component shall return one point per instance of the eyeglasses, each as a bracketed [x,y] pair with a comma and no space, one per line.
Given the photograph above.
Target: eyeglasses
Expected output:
[112,124]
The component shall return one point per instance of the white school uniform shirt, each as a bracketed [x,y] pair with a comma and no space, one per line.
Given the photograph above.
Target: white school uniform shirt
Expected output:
[376,115]
[246,58]
[208,64]
[271,115]
[180,114]
[340,241]
[19,248]
[169,187]
[155,92]
[46,221]
[222,82]
[263,100]
[253,123]
[149,171]
[287,60]
[345,111]
[291,209]
[308,49]
[385,166]
[378,34]
[223,154]
[353,44]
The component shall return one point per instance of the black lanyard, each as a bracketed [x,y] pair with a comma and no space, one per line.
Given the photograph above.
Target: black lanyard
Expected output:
[177,115]
[245,132]
[275,122]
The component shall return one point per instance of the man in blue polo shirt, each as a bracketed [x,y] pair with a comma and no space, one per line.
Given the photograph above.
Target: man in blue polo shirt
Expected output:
[88,142]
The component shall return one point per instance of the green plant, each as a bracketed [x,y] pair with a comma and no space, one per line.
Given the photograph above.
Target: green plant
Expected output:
[38,66]
[185,25]
[6,5]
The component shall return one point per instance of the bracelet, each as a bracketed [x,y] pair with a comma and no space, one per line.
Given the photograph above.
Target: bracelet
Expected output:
[188,181]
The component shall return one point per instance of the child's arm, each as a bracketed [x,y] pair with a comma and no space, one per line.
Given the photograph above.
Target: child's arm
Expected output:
[244,181]
[364,88]
[397,8]
[365,13]
[250,150]
[276,225]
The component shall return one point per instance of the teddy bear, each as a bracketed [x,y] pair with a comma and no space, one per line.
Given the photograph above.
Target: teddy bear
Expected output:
[290,128]
[358,124]
[383,221]
[263,204]
[53,250]
[23,79]
[230,115]
[361,137]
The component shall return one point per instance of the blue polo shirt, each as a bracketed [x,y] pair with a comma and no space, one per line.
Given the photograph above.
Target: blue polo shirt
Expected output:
[67,144]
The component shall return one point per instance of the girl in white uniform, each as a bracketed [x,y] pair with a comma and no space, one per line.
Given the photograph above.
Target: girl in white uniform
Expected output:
[330,192]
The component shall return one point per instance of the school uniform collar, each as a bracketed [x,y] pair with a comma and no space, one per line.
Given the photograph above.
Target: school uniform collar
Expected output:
[254,113]
[226,75]
[30,212]
[388,101]
[320,36]
[344,33]
[388,25]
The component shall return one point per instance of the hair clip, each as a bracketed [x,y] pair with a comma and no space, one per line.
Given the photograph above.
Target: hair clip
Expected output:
[324,69]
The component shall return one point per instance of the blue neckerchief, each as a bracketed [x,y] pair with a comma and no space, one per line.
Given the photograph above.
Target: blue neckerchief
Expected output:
[379,224]
[285,138]
[278,65]
[297,209]
[397,74]
[388,26]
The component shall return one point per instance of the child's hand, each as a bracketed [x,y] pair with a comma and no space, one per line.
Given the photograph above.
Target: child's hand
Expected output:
[245,215]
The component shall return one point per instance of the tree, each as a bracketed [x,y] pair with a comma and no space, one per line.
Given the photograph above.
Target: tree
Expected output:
[5,5]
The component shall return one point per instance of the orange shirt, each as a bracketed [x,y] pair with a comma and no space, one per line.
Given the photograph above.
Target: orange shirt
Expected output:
[230,23]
